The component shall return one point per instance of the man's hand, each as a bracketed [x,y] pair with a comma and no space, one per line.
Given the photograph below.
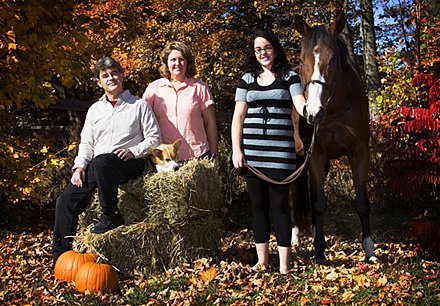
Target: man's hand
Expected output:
[78,177]
[124,154]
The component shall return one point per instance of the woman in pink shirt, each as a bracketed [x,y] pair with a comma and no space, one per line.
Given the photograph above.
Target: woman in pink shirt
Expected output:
[183,105]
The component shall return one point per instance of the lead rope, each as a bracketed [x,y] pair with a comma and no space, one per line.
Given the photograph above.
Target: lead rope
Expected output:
[296,173]
[262,176]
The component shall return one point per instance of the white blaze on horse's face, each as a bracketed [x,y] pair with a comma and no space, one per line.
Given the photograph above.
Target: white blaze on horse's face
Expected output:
[315,90]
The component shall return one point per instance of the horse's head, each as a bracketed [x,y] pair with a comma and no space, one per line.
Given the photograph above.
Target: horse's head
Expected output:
[320,64]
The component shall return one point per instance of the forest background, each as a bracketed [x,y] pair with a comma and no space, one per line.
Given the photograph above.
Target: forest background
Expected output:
[47,53]
[47,57]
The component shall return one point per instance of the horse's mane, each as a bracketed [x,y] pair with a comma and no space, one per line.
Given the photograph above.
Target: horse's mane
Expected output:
[343,54]
[321,33]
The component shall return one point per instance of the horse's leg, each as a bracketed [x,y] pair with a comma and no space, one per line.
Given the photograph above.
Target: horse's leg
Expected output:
[293,203]
[302,212]
[359,164]
[317,170]
[300,208]
[299,201]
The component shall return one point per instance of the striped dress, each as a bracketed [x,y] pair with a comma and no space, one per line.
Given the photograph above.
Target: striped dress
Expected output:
[268,143]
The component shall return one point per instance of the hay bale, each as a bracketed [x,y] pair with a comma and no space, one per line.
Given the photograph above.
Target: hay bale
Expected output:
[148,248]
[170,218]
[132,204]
[199,238]
[174,198]
[194,191]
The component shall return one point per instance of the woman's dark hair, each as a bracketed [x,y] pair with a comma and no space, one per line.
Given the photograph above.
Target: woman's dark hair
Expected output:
[280,65]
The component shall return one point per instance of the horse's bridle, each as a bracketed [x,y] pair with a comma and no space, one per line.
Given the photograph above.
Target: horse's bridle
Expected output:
[323,84]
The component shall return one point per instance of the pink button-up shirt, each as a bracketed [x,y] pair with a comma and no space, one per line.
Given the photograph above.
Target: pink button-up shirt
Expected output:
[179,113]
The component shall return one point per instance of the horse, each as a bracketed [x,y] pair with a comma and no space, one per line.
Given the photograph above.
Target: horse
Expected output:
[337,107]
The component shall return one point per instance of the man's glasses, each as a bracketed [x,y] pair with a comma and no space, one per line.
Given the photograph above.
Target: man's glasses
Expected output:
[267,48]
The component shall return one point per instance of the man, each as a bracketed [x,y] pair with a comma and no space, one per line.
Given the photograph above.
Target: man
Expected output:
[119,130]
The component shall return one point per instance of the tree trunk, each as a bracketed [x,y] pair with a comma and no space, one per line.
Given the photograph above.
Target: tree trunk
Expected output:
[372,78]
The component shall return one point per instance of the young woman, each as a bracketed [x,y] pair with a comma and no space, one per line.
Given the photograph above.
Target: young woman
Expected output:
[262,137]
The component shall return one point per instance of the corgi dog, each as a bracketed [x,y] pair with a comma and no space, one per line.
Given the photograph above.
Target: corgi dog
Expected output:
[165,157]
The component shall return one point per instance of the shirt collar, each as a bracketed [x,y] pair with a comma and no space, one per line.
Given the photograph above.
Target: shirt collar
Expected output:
[124,96]
[186,82]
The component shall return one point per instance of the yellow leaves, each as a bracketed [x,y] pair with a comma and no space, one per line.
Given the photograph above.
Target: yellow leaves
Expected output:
[11,35]
[209,275]
[44,149]
[26,190]
[11,59]
[381,281]
[362,281]
[57,162]
[71,146]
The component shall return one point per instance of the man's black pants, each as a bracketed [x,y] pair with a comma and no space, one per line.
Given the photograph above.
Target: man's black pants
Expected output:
[104,172]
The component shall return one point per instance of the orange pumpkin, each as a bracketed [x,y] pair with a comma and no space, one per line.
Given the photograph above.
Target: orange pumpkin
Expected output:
[69,262]
[96,277]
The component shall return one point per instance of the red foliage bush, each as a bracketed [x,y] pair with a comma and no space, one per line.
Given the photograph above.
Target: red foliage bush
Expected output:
[417,139]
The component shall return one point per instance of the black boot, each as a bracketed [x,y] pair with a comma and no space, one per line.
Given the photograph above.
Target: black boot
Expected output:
[108,222]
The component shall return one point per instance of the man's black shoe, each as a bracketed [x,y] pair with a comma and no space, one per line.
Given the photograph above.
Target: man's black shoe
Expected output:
[107,222]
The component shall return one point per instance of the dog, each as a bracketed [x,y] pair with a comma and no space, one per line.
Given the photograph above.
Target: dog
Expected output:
[164,158]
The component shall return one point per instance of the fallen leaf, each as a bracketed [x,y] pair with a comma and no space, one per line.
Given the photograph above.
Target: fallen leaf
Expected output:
[382,281]
[209,275]
[362,266]
[304,300]
[332,276]
[347,296]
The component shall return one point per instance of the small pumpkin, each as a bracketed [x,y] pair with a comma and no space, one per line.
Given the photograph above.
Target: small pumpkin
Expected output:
[69,262]
[96,277]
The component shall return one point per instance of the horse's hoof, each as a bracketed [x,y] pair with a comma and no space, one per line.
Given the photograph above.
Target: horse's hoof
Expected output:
[319,258]
[371,260]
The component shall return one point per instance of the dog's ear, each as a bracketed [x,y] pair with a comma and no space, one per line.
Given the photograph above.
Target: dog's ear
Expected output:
[157,153]
[176,144]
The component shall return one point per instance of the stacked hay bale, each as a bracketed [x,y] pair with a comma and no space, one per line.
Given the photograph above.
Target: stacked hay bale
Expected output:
[170,218]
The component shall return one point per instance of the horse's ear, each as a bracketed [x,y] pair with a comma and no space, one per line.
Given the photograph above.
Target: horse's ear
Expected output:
[338,24]
[301,26]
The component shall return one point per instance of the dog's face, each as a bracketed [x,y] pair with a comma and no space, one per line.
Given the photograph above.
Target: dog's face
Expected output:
[165,157]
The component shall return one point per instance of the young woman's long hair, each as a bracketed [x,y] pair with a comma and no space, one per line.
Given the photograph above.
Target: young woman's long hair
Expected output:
[280,66]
